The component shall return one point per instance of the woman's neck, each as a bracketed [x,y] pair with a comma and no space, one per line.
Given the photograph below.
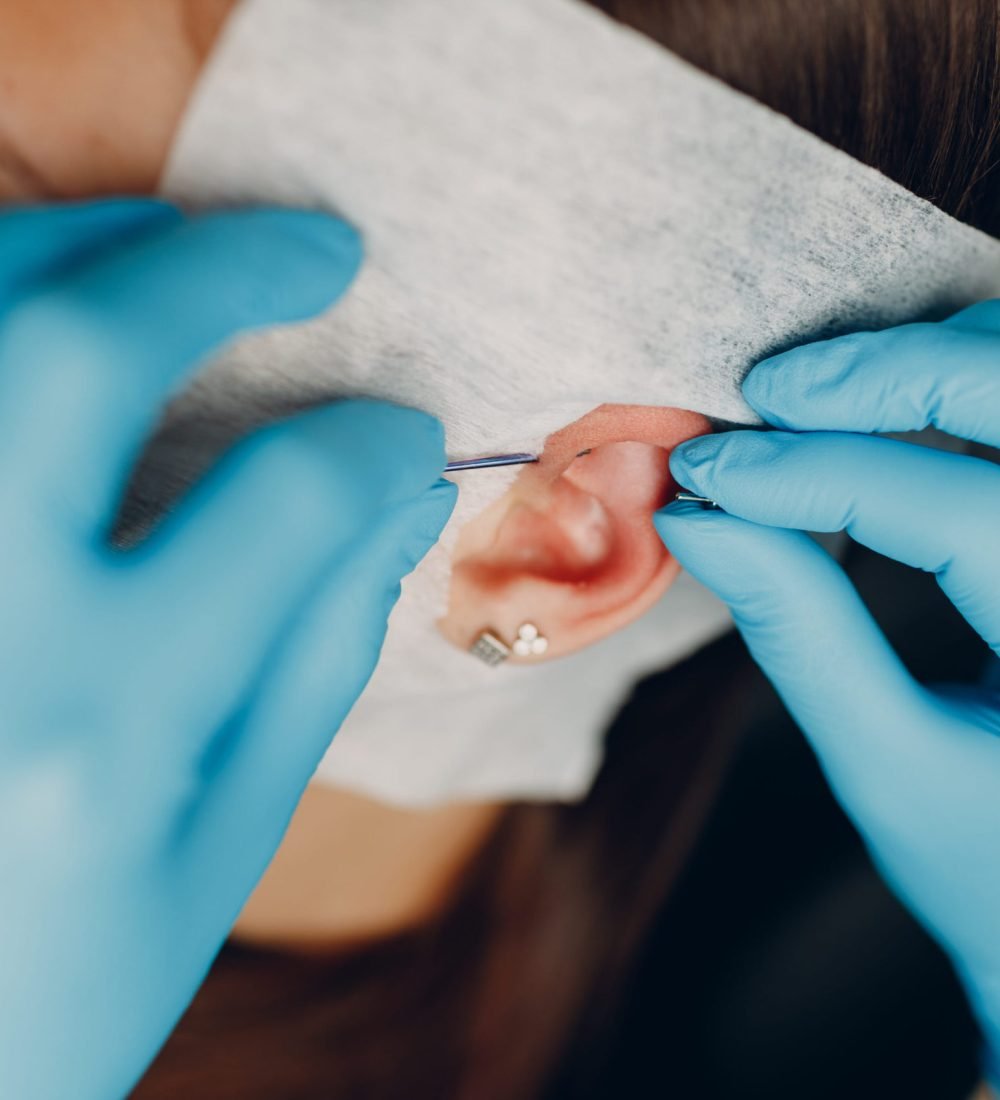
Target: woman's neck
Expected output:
[92,93]
[352,869]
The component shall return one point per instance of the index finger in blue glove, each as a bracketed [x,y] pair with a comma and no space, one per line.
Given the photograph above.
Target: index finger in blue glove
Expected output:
[936,511]
[253,541]
[319,670]
[93,357]
[902,379]
[810,632]
[37,242]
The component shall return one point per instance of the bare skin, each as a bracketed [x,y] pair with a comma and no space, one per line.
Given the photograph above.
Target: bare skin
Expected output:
[353,869]
[91,94]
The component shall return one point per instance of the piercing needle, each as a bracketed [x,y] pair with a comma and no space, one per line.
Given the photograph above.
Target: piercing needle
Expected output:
[492,460]
[495,460]
[693,498]
[525,459]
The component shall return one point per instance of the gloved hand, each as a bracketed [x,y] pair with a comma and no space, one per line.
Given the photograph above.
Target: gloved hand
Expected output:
[162,710]
[917,769]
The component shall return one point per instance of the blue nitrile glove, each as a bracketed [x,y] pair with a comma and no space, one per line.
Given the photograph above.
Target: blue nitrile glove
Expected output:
[917,769]
[162,710]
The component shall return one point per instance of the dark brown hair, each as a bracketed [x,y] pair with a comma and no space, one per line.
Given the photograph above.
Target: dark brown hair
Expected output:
[524,970]
[911,87]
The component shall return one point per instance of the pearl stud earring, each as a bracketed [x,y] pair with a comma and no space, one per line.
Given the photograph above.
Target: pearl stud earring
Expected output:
[529,642]
[493,651]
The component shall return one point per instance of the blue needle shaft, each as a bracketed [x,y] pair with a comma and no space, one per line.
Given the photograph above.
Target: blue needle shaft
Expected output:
[492,460]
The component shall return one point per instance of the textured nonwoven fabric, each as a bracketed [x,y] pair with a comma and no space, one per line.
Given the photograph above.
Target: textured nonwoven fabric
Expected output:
[557,214]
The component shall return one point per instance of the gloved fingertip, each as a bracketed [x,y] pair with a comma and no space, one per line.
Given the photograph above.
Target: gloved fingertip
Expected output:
[434,437]
[690,461]
[686,523]
[419,452]
[711,535]
[797,388]
[692,452]
[771,388]
[444,490]
[413,527]
[438,504]
[758,386]
[362,456]
[326,232]
[294,263]
[709,543]
[400,438]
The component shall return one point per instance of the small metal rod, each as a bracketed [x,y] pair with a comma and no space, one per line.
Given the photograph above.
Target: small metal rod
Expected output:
[693,498]
[492,460]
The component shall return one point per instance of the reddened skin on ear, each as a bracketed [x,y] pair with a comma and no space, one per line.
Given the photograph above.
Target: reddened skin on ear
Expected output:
[571,546]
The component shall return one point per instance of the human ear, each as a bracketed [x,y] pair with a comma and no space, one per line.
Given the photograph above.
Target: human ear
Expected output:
[571,547]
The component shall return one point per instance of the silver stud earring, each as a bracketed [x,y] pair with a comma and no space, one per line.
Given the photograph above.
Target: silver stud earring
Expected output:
[493,651]
[490,649]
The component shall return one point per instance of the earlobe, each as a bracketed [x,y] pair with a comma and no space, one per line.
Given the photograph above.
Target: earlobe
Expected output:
[571,547]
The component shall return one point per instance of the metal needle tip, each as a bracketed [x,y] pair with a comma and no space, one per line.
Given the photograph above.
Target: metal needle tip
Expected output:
[492,460]
[693,498]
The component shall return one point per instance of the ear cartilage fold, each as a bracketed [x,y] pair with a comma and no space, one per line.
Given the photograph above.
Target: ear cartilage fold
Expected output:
[490,461]
[693,498]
